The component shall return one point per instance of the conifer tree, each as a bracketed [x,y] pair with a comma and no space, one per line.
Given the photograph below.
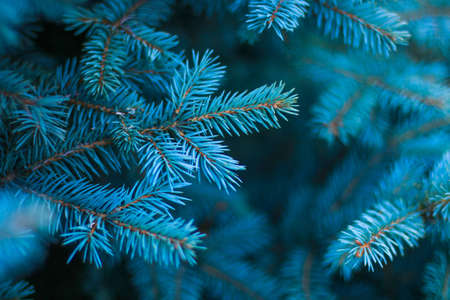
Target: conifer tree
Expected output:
[120,155]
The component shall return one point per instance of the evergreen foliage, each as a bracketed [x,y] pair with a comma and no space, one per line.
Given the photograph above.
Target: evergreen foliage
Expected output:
[60,144]
[436,278]
[120,153]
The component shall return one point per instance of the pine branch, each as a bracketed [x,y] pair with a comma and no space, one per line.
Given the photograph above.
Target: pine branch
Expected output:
[382,232]
[33,115]
[162,157]
[88,241]
[97,218]
[226,112]
[145,41]
[93,118]
[115,13]
[191,85]
[115,31]
[281,15]
[409,136]
[361,25]
[41,123]
[139,74]
[102,65]
[399,87]
[438,187]
[80,158]
[258,102]
[235,113]
[14,88]
[210,160]
[342,111]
